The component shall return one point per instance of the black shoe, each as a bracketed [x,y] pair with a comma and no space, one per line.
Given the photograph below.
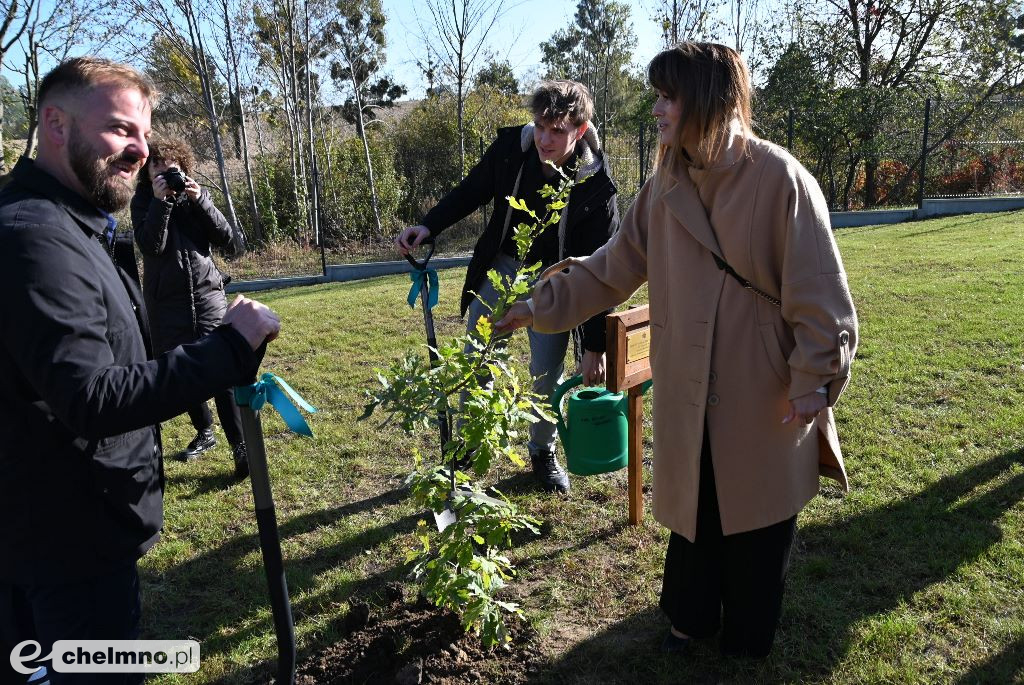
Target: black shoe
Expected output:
[547,470]
[241,460]
[203,441]
[673,644]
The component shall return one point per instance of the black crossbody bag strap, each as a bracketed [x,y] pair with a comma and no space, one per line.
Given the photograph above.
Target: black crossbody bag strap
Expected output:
[724,266]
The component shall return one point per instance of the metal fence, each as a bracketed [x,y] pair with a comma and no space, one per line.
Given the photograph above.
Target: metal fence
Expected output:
[891,154]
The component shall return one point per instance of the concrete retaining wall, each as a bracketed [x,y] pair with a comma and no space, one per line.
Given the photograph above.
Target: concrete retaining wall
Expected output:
[931,208]
[969,205]
[871,217]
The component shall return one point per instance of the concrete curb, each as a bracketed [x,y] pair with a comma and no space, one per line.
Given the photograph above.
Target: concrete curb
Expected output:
[339,273]
[929,209]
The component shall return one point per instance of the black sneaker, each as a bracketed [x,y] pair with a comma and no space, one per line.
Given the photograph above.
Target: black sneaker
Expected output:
[548,471]
[203,441]
[241,460]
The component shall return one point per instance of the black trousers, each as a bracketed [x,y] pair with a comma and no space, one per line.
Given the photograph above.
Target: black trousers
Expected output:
[227,412]
[732,582]
[107,607]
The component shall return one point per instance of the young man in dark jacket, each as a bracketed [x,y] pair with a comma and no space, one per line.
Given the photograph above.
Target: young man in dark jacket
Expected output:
[81,470]
[516,164]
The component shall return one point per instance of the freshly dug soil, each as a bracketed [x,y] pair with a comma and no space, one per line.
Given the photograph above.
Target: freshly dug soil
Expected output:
[407,644]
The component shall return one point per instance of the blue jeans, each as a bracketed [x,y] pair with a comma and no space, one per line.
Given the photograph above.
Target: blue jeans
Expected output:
[547,353]
[106,607]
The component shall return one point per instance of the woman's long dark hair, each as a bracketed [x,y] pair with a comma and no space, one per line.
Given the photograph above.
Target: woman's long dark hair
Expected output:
[712,84]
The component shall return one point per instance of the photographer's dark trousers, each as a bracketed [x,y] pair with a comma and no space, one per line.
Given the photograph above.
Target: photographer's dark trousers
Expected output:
[105,607]
[734,582]
[227,412]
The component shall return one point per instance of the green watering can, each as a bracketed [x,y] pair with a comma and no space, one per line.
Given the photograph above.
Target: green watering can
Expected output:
[596,439]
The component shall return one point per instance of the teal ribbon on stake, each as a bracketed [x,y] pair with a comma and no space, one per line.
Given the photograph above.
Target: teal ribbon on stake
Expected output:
[417,276]
[273,389]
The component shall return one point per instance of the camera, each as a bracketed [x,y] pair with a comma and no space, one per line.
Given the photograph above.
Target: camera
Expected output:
[174,179]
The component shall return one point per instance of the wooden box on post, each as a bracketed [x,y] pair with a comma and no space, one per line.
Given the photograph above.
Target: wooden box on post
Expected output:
[629,366]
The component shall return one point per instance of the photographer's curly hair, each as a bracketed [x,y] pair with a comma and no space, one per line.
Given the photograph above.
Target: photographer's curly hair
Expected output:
[169,149]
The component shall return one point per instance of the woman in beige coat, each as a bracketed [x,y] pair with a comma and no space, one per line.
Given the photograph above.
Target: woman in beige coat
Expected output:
[745,378]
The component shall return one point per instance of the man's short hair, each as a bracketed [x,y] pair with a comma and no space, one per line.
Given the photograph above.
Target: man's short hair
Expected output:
[556,100]
[80,74]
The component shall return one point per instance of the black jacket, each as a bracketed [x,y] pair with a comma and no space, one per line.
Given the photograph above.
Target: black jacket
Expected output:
[81,470]
[593,215]
[183,288]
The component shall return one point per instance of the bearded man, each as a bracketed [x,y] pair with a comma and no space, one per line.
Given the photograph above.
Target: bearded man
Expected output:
[81,467]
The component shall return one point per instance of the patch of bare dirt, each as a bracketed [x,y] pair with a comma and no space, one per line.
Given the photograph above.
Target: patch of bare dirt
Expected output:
[408,644]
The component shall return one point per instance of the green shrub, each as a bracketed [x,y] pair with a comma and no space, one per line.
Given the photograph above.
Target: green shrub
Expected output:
[347,212]
[427,144]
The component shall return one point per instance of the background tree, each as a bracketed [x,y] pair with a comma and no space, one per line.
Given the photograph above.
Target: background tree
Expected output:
[456,39]
[14,18]
[180,27]
[289,40]
[497,75]
[596,50]
[359,39]
[687,20]
[879,52]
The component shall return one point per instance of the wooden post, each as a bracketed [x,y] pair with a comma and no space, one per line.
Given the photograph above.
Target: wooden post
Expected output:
[629,366]
[636,455]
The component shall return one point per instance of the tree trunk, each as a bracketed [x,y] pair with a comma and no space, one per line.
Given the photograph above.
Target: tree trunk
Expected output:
[288,103]
[301,179]
[313,165]
[199,55]
[460,90]
[366,147]
[328,155]
[257,228]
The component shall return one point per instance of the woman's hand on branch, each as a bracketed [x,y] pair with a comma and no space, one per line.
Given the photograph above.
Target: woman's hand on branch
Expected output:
[518,315]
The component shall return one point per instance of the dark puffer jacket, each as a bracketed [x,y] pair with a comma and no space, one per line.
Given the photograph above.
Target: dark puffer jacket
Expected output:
[183,288]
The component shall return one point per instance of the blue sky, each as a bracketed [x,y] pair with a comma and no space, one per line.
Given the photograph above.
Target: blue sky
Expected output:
[517,36]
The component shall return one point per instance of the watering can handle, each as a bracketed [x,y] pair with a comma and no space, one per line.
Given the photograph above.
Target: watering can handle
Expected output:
[558,394]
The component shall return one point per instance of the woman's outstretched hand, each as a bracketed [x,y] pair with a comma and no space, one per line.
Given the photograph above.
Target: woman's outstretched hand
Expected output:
[518,315]
[806,407]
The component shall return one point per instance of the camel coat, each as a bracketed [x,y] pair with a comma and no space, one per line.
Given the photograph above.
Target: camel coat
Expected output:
[721,356]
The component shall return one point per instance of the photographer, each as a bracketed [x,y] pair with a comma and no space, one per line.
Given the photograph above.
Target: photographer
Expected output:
[176,224]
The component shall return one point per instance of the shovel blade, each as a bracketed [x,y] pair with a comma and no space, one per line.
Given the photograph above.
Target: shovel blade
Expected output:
[444,519]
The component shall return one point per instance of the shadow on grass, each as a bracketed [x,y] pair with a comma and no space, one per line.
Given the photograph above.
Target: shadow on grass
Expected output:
[215,596]
[1005,667]
[842,573]
[870,563]
[627,654]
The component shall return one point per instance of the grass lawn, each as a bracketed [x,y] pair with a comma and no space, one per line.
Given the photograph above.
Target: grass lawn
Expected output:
[915,576]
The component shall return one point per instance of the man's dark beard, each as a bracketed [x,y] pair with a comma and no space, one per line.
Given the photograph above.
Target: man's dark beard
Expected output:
[109,193]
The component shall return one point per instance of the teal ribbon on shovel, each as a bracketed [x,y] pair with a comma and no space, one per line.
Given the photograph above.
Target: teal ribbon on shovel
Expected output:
[417,276]
[282,397]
